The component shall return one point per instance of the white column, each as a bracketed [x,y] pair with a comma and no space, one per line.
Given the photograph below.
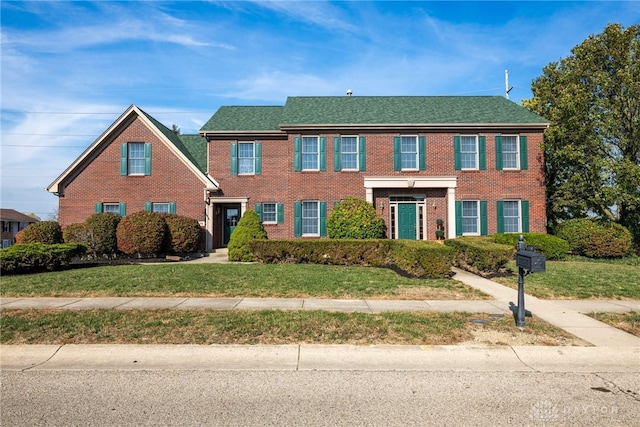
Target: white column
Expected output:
[369,195]
[451,213]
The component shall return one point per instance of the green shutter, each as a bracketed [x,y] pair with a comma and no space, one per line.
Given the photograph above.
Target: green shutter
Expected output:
[147,159]
[323,153]
[524,160]
[323,218]
[280,213]
[458,218]
[498,152]
[482,152]
[148,206]
[337,161]
[98,207]
[362,153]
[234,158]
[483,218]
[397,156]
[172,207]
[524,204]
[297,154]
[123,209]
[422,152]
[123,158]
[297,219]
[500,216]
[457,158]
[258,154]
[258,209]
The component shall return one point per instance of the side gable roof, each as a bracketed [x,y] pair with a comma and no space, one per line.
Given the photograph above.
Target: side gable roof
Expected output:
[190,151]
[15,216]
[374,112]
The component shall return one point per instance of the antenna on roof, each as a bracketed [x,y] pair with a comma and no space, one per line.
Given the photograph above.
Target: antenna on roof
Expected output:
[507,89]
[349,93]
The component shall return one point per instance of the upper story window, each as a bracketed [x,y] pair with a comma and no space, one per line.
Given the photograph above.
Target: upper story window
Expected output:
[409,152]
[246,158]
[510,152]
[469,152]
[135,158]
[349,152]
[310,153]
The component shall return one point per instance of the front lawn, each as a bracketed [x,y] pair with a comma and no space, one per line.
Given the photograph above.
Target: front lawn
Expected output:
[578,278]
[629,321]
[234,280]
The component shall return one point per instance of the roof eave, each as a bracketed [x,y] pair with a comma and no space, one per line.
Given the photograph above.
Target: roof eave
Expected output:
[234,134]
[405,126]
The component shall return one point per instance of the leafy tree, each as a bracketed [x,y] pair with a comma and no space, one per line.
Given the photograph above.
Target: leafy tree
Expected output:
[592,147]
[355,218]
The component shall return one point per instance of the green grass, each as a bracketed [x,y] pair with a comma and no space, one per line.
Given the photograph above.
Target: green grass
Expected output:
[629,321]
[233,280]
[258,327]
[579,278]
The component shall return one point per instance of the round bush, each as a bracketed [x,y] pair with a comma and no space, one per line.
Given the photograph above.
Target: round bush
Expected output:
[46,232]
[101,233]
[75,233]
[183,234]
[355,218]
[552,247]
[141,233]
[249,228]
[596,238]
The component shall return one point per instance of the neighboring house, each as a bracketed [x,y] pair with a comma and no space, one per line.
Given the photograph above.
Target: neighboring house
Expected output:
[12,222]
[474,162]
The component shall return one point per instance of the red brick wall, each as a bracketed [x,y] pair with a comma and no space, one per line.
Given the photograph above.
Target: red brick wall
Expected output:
[100,181]
[280,184]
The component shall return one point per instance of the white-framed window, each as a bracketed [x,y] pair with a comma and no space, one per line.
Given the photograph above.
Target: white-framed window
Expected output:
[310,218]
[6,226]
[246,158]
[136,158]
[470,218]
[469,152]
[6,243]
[511,216]
[349,152]
[510,152]
[310,153]
[409,152]
[111,207]
[270,213]
[160,207]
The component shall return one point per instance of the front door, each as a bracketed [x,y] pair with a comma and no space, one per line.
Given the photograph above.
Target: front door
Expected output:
[231,217]
[407,221]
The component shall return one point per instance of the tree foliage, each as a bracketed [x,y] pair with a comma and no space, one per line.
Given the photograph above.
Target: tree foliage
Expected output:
[592,147]
[249,228]
[355,218]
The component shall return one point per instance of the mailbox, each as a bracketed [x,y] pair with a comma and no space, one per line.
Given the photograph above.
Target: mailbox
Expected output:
[531,261]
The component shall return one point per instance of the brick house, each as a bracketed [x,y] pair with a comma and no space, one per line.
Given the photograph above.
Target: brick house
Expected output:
[473,162]
[13,222]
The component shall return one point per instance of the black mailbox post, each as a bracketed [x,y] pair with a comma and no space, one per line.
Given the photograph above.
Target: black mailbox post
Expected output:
[533,262]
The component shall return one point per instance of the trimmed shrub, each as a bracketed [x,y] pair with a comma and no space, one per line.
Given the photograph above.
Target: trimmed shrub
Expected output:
[183,234]
[36,257]
[410,258]
[480,255]
[75,233]
[101,233]
[46,232]
[355,218]
[141,233]
[249,228]
[596,238]
[551,246]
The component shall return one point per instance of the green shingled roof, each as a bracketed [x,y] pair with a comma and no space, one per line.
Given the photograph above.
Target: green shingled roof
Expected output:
[194,147]
[373,110]
[258,118]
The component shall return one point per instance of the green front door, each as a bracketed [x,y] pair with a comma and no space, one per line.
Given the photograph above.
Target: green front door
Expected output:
[231,218]
[407,221]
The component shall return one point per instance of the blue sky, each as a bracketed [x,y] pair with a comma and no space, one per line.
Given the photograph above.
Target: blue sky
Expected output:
[69,69]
